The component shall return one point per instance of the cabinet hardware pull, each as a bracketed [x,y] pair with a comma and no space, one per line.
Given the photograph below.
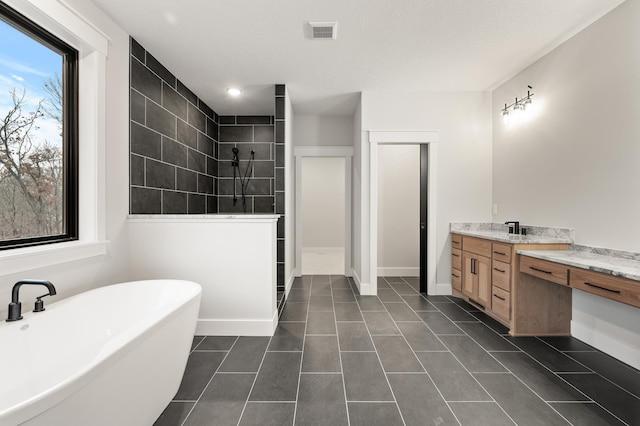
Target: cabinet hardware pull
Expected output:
[540,270]
[500,253]
[473,266]
[499,297]
[499,270]
[456,255]
[457,276]
[603,288]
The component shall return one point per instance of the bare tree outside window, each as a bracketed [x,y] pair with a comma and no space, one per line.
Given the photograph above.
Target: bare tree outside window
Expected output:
[33,141]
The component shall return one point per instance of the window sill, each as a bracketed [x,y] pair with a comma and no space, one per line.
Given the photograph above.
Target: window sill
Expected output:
[25,259]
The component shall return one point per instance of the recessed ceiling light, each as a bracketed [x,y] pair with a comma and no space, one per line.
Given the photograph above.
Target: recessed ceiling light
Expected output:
[233,91]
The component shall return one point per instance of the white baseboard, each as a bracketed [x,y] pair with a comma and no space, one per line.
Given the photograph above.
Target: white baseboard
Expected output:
[365,289]
[606,344]
[209,327]
[356,278]
[443,289]
[398,272]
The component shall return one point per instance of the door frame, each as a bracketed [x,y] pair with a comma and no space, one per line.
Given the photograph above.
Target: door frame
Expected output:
[403,138]
[345,152]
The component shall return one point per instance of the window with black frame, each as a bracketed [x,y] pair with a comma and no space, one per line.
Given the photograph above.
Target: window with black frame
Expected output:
[38,135]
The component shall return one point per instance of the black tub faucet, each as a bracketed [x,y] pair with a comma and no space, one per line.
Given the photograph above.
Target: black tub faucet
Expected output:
[515,227]
[15,307]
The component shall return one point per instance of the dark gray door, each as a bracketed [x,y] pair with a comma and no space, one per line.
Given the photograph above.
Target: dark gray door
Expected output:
[424,208]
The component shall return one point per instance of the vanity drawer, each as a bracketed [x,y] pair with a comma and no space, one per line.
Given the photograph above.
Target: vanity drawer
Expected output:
[501,302]
[456,258]
[501,275]
[456,279]
[616,288]
[549,271]
[501,252]
[456,241]
[477,246]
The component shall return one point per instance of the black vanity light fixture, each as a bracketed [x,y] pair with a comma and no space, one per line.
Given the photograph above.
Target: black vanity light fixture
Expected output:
[519,105]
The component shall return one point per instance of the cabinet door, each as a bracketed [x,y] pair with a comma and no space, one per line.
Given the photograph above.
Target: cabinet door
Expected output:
[483,274]
[467,276]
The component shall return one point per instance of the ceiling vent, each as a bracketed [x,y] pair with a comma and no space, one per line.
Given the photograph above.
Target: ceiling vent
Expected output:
[323,30]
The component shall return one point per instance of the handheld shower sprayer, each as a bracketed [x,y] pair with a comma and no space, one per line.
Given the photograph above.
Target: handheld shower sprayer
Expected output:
[235,161]
[244,179]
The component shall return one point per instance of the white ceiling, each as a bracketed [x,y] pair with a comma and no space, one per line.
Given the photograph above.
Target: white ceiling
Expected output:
[399,45]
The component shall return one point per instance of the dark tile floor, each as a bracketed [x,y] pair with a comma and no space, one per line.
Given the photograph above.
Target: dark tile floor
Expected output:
[398,358]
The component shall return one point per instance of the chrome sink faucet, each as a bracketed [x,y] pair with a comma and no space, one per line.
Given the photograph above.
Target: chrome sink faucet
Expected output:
[515,229]
[15,307]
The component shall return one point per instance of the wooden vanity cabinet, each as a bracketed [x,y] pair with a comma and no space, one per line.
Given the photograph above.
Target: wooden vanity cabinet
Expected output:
[489,278]
[476,278]
[612,287]
[501,278]
[456,262]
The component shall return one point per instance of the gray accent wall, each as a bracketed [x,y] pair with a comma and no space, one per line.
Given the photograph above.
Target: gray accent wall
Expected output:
[173,142]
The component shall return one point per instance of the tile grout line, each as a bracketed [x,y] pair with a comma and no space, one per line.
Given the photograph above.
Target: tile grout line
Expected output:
[591,371]
[210,380]
[344,386]
[255,379]
[588,368]
[384,304]
[556,374]
[463,366]
[304,338]
[395,400]
[423,367]
[544,366]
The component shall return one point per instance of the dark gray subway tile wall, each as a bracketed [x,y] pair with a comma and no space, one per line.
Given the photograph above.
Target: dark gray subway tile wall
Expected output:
[173,142]
[180,151]
[279,181]
[247,133]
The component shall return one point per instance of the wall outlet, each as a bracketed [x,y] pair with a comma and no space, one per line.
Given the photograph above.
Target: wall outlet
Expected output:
[495,209]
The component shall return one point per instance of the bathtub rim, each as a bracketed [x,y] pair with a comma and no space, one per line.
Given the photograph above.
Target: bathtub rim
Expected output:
[41,402]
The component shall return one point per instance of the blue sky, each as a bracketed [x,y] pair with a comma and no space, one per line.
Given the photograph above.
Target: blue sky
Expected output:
[26,63]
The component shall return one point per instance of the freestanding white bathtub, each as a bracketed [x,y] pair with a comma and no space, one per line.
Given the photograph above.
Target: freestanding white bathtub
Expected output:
[110,356]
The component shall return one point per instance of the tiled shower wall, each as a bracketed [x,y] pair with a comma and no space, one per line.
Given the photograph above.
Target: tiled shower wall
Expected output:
[247,133]
[173,142]
[279,180]
[177,165]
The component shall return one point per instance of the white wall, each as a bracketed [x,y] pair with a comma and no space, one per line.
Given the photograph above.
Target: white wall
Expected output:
[399,210]
[323,209]
[463,120]
[236,299]
[576,161]
[73,276]
[323,130]
[356,193]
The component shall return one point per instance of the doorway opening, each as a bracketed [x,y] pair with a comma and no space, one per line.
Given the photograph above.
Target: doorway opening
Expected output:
[323,215]
[399,213]
[345,155]
[427,140]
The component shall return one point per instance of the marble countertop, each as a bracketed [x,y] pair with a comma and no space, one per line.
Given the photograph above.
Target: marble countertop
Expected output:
[504,237]
[606,264]
[203,217]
